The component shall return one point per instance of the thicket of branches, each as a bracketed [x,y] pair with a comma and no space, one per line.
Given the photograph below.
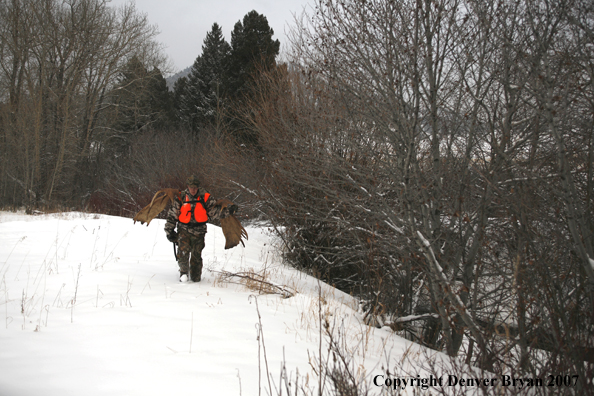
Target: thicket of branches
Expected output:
[435,158]
[60,64]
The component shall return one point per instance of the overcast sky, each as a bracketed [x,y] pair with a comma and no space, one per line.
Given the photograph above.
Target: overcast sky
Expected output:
[184,23]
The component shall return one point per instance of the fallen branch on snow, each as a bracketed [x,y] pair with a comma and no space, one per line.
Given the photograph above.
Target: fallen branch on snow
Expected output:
[257,282]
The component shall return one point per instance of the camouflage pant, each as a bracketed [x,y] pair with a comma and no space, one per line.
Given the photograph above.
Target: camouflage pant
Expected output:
[189,255]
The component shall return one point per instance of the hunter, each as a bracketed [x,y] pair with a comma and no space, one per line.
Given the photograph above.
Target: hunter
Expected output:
[190,214]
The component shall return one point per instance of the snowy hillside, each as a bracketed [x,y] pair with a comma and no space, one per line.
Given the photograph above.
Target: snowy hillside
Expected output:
[91,305]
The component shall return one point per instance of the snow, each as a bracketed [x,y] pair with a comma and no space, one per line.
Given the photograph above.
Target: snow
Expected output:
[91,304]
[411,318]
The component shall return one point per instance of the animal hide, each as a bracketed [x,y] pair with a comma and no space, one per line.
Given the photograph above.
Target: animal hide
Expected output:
[232,228]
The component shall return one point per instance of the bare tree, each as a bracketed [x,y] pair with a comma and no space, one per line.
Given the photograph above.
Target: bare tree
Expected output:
[59,60]
[434,157]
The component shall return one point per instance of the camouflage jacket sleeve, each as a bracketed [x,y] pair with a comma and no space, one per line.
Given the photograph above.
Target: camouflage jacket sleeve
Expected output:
[215,212]
[172,216]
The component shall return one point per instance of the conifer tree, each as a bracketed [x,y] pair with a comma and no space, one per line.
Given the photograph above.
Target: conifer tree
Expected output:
[140,100]
[160,100]
[200,102]
[180,100]
[252,50]
[142,97]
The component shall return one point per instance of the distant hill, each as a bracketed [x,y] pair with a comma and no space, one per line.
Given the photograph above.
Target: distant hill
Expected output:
[171,80]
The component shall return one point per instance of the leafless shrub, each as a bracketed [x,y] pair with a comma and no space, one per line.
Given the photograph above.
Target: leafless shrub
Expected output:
[432,158]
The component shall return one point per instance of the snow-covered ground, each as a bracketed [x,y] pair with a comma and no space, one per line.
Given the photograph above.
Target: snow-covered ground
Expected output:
[91,305]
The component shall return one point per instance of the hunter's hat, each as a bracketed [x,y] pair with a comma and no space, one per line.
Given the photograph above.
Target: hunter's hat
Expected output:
[193,181]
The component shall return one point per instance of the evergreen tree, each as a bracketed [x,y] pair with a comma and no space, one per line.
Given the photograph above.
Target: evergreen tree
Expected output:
[201,100]
[141,98]
[252,50]
[180,101]
[160,100]
[140,101]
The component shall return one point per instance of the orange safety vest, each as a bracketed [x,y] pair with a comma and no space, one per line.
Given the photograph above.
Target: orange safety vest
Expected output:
[200,215]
